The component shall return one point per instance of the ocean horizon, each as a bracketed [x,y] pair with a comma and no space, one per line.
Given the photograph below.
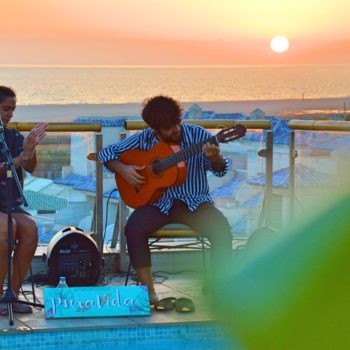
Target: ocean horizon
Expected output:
[66,85]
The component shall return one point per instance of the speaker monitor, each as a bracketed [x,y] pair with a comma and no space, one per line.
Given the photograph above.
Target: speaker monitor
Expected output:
[74,254]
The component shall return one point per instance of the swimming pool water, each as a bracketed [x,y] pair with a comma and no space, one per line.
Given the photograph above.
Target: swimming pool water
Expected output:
[184,337]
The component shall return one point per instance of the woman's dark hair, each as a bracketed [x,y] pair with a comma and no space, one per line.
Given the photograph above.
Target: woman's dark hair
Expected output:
[161,112]
[6,92]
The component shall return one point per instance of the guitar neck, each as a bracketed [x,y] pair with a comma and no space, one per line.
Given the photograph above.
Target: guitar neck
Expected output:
[186,153]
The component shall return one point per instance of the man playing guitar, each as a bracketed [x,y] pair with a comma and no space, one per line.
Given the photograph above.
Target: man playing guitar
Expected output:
[187,203]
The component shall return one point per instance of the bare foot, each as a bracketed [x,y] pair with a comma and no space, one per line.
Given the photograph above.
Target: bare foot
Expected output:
[153,298]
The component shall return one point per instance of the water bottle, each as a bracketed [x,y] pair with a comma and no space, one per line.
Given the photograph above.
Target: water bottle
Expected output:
[62,282]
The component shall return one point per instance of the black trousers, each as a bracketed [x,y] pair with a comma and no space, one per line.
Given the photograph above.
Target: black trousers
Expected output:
[207,220]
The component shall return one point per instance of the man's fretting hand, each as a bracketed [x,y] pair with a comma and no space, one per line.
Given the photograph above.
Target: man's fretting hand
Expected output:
[211,151]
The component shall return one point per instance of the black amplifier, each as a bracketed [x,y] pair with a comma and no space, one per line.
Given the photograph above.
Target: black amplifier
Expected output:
[74,254]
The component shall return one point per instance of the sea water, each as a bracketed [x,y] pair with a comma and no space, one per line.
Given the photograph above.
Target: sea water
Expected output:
[103,85]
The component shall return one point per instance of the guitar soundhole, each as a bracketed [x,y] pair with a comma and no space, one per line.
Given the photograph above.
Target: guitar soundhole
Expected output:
[157,168]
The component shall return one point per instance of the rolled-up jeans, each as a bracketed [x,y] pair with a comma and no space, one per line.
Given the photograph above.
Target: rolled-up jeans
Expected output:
[207,220]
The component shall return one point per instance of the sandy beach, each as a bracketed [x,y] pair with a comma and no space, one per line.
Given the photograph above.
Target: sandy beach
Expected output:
[317,108]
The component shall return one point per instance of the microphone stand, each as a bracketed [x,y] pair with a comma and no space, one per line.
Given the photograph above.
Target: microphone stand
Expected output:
[9,296]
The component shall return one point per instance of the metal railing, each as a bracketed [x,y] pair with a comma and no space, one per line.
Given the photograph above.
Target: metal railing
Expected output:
[80,127]
[306,125]
[208,124]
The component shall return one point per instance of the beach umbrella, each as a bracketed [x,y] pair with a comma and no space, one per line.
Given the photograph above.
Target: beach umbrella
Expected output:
[294,293]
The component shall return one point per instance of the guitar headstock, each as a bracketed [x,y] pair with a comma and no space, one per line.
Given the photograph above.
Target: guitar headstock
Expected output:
[230,134]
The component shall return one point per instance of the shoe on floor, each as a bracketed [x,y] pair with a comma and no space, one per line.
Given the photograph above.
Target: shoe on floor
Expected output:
[3,309]
[16,308]
[165,304]
[184,305]
[20,308]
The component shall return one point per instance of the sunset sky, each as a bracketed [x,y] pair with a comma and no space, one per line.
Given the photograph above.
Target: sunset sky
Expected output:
[178,32]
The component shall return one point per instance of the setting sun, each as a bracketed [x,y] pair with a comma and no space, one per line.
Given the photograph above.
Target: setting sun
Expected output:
[279,44]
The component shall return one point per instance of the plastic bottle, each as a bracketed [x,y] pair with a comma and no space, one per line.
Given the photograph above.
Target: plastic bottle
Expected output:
[62,282]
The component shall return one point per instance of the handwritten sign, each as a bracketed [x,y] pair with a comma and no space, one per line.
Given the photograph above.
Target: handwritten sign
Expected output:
[96,302]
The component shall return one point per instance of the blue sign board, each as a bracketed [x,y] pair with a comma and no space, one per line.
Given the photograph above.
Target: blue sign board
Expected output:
[96,302]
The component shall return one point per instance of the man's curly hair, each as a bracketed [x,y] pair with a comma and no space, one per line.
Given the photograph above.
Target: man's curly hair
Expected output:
[161,112]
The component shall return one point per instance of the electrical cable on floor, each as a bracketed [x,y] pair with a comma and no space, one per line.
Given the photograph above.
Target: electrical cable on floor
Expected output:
[26,293]
[177,273]
[103,277]
[106,217]
[40,279]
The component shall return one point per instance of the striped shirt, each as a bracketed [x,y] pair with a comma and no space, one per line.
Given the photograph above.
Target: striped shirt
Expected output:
[195,190]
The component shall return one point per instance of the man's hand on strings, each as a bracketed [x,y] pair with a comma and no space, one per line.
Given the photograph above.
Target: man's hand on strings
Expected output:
[131,175]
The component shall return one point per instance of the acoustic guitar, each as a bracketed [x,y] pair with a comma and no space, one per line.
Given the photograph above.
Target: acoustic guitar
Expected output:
[164,166]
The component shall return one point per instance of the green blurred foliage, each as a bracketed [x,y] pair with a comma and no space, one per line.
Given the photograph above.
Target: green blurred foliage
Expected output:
[290,292]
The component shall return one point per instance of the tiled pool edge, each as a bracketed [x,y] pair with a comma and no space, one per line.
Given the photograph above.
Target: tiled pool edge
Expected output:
[104,338]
